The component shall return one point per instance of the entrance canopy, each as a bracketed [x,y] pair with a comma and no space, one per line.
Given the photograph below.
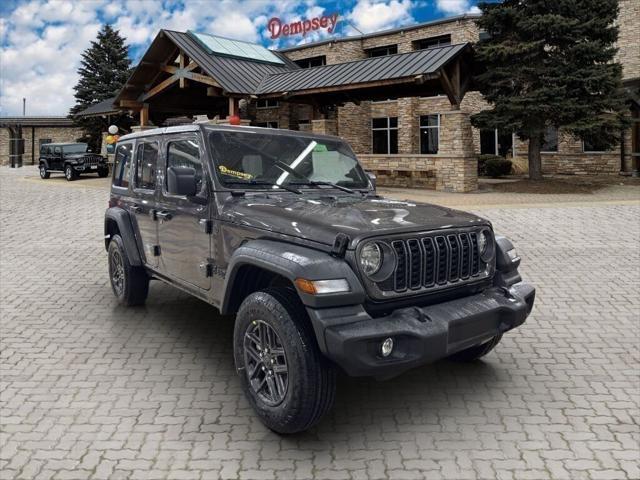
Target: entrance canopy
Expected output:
[192,73]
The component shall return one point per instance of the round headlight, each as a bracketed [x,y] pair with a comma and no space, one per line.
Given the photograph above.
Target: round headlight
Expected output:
[482,241]
[370,258]
[485,245]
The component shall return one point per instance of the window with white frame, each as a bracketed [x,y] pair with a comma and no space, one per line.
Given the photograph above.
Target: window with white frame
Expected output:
[267,103]
[429,133]
[384,135]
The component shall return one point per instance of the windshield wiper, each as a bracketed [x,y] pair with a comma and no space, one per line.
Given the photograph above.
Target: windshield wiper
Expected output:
[263,182]
[315,183]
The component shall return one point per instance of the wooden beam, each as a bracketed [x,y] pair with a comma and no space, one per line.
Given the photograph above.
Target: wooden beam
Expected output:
[449,89]
[213,92]
[170,69]
[160,87]
[144,115]
[182,60]
[133,104]
[198,77]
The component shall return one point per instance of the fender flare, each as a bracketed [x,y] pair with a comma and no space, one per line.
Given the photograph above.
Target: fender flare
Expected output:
[292,262]
[45,162]
[123,220]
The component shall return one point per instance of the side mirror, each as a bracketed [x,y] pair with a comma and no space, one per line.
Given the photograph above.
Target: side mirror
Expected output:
[181,181]
[372,178]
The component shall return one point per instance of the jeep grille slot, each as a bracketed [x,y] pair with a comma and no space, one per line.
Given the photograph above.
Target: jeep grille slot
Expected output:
[429,262]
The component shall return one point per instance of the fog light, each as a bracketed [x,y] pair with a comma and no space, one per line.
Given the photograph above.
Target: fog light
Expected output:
[387,347]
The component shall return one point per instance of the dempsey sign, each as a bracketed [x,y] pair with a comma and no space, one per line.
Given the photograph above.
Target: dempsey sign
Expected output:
[277,28]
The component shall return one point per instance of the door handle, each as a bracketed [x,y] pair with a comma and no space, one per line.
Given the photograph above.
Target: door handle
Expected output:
[136,208]
[164,215]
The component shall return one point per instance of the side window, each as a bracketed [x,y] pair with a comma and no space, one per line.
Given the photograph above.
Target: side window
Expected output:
[146,161]
[186,153]
[57,150]
[121,166]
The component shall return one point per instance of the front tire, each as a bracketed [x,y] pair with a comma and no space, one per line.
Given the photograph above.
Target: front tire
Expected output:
[130,284]
[44,173]
[477,351]
[287,381]
[103,172]
[69,173]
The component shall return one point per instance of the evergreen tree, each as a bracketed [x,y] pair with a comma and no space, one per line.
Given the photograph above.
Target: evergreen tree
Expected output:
[550,63]
[104,69]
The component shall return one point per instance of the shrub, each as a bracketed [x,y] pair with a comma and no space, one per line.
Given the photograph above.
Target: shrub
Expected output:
[497,167]
[482,163]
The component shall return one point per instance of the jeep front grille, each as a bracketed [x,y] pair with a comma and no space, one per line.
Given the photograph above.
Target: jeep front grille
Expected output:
[434,261]
[92,160]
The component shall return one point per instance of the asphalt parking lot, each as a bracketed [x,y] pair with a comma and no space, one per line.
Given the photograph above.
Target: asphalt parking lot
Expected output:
[90,390]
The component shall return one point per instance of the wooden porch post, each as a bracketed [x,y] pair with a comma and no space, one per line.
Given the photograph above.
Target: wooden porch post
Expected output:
[144,115]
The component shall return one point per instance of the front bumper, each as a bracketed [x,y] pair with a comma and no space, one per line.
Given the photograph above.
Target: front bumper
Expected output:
[351,338]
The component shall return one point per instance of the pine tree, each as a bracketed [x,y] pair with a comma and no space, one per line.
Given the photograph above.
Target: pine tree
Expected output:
[550,63]
[104,69]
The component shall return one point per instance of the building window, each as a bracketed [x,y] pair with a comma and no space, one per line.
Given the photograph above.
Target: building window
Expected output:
[267,103]
[382,51]
[121,165]
[318,61]
[495,142]
[594,145]
[432,42]
[429,133]
[550,140]
[267,124]
[384,135]
[146,161]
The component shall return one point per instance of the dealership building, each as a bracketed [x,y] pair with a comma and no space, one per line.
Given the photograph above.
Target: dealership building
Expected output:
[402,98]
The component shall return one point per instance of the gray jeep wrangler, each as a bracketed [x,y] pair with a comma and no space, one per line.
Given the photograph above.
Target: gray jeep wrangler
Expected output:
[285,230]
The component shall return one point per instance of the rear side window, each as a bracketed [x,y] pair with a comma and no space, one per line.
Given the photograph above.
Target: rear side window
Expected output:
[121,166]
[146,161]
[186,153]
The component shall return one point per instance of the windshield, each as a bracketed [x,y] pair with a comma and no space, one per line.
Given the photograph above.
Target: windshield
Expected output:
[75,148]
[260,159]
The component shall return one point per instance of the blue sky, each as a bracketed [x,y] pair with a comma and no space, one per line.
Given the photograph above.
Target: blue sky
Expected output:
[41,40]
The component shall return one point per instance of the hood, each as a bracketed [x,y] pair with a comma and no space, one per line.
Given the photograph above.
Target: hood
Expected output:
[321,217]
[76,155]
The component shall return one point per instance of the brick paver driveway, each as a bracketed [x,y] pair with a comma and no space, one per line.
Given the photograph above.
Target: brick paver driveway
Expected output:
[93,390]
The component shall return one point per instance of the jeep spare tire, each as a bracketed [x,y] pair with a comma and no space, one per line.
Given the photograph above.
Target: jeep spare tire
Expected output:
[287,381]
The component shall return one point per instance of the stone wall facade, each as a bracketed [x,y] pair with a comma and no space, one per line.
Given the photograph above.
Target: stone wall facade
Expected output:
[629,38]
[55,134]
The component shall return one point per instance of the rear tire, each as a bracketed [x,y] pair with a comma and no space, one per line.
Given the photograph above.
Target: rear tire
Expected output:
[69,173]
[44,173]
[301,384]
[477,351]
[130,284]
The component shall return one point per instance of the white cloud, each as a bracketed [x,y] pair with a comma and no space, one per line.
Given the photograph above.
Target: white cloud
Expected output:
[372,15]
[456,7]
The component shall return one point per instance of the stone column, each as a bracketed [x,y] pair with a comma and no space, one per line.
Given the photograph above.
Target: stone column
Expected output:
[326,126]
[456,164]
[408,125]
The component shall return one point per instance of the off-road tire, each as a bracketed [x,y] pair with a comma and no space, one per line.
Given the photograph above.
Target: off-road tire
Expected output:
[477,351]
[130,284]
[311,378]
[44,173]
[103,172]
[69,173]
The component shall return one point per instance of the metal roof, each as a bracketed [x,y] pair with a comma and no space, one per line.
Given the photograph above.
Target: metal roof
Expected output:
[374,69]
[104,107]
[391,31]
[48,121]
[235,75]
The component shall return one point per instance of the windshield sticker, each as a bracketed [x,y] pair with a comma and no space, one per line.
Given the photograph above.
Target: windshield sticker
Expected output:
[234,173]
[320,148]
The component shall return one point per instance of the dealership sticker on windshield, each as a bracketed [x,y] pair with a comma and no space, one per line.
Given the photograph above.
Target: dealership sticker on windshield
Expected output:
[320,148]
[234,173]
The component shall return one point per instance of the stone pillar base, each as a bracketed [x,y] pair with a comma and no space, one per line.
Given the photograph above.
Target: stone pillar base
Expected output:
[457,174]
[457,164]
[325,126]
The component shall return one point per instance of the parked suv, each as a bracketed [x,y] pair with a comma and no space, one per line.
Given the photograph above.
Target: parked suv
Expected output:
[285,230]
[72,159]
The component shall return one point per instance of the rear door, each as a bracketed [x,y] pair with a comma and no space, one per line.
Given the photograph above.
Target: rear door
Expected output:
[185,244]
[145,193]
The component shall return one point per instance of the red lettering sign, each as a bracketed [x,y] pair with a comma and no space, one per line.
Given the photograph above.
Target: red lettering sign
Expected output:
[277,28]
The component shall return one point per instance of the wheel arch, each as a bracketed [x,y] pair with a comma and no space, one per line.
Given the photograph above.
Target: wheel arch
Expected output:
[283,261]
[117,221]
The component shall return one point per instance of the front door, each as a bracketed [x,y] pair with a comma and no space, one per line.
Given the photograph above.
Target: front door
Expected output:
[56,159]
[182,234]
[144,198]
